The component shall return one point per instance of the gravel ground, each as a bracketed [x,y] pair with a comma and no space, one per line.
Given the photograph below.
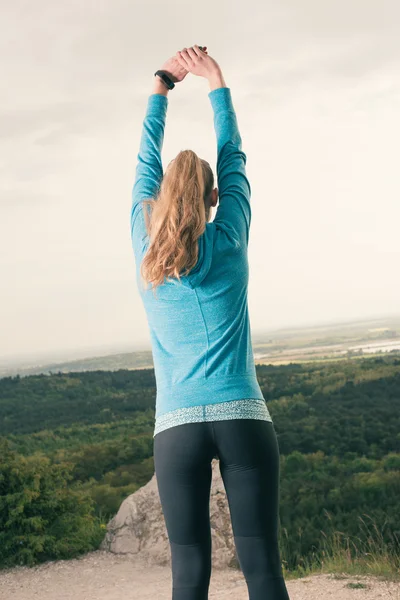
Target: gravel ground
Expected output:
[101,575]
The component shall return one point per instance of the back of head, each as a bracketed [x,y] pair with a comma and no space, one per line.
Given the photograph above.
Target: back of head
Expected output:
[177,218]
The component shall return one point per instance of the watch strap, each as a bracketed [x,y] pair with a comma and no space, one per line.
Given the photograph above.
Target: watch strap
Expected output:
[166,79]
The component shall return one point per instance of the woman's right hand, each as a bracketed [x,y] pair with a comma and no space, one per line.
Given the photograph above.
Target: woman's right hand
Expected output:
[198,62]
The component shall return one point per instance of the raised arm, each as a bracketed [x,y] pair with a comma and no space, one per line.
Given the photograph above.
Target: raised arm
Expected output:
[234,212]
[149,170]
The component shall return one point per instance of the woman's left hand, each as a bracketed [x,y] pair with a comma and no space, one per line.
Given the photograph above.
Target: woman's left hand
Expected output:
[175,70]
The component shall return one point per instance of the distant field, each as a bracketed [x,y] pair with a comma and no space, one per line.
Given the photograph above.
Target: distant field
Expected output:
[281,346]
[350,340]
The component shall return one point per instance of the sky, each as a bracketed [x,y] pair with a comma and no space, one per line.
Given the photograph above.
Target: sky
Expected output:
[315,86]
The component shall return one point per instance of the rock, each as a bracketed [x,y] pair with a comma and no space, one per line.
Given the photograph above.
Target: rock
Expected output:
[139,526]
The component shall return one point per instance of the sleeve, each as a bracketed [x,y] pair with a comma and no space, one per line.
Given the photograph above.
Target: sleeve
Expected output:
[149,170]
[234,211]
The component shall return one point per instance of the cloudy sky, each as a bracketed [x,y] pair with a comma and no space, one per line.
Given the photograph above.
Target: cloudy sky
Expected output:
[315,86]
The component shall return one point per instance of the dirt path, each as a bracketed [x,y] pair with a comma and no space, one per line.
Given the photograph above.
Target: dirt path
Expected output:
[101,575]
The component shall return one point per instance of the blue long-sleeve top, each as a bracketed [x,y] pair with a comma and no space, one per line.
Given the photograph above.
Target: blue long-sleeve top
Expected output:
[199,327]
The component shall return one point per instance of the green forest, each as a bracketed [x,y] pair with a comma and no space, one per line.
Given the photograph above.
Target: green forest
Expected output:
[74,445]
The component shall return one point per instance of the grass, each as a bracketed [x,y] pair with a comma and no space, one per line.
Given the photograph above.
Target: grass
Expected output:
[342,556]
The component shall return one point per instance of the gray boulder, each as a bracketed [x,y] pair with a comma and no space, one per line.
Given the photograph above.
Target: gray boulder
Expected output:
[139,526]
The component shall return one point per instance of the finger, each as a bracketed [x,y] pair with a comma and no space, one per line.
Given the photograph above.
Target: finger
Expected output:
[188,58]
[183,64]
[185,54]
[193,55]
[180,57]
[199,49]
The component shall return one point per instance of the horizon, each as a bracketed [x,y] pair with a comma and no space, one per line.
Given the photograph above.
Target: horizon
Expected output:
[62,355]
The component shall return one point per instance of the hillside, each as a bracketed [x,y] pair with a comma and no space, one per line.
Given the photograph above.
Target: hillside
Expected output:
[90,436]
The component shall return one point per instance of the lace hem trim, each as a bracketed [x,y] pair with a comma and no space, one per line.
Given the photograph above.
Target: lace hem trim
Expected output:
[248,408]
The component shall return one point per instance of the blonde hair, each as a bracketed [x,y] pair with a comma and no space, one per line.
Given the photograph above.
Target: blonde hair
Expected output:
[178,218]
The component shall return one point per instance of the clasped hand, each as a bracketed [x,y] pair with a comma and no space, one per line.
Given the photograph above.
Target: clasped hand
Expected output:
[175,70]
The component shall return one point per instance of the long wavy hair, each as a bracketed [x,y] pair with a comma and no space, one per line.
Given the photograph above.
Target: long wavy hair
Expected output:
[177,218]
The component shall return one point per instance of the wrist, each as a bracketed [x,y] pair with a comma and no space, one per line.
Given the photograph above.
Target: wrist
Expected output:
[216,80]
[159,86]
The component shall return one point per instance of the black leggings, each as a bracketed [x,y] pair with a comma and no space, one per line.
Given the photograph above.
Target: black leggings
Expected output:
[248,455]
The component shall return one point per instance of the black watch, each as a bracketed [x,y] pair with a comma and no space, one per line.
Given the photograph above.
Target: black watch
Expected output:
[167,80]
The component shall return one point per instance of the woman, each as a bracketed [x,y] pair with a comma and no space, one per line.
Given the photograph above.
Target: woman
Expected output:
[193,276]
